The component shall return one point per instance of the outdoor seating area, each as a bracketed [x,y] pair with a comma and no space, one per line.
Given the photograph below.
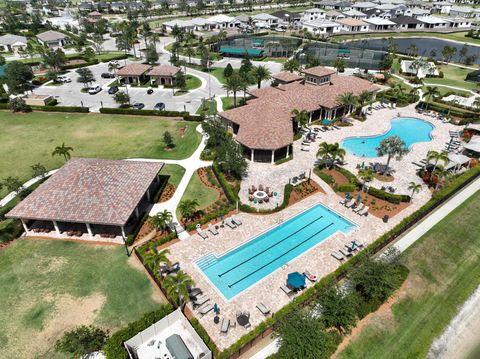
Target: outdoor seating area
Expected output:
[356,205]
[348,250]
[260,195]
[231,222]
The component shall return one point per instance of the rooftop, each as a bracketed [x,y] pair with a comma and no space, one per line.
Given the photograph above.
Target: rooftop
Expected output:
[287,76]
[319,71]
[133,70]
[163,70]
[89,190]
[10,39]
[51,35]
[351,22]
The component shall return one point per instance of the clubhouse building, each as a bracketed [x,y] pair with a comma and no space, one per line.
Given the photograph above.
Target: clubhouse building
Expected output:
[91,199]
[265,125]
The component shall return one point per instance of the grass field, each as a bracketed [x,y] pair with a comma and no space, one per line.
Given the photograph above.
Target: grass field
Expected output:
[31,138]
[444,272]
[205,196]
[52,286]
[218,73]
[102,57]
[193,82]
[209,107]
[228,102]
[175,172]
[453,76]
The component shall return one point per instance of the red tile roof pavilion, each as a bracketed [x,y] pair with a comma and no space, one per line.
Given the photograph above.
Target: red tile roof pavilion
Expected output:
[89,190]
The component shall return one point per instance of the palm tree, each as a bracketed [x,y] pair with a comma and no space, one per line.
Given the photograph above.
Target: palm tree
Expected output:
[339,64]
[437,157]
[430,93]
[189,51]
[414,187]
[161,220]
[176,286]
[440,173]
[366,174]
[234,83]
[153,258]
[300,116]
[261,73]
[391,146]
[348,100]
[330,152]
[364,97]
[62,151]
[188,208]
[291,65]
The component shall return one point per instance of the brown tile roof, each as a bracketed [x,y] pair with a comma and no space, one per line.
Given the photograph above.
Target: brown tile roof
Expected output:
[51,35]
[349,21]
[163,70]
[89,190]
[319,71]
[287,76]
[133,70]
[266,121]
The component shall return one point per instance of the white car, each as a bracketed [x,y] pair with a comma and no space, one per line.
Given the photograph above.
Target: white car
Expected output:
[94,89]
[64,78]
[280,29]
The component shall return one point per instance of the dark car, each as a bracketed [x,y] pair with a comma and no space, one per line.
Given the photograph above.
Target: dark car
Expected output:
[113,90]
[159,106]
[149,91]
[138,105]
[107,75]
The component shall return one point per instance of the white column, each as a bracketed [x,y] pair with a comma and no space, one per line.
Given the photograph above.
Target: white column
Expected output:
[334,112]
[57,229]
[252,155]
[273,157]
[136,212]
[288,151]
[90,234]
[148,194]
[24,224]
[310,117]
[123,232]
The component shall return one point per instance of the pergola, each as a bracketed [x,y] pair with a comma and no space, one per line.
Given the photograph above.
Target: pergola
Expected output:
[90,194]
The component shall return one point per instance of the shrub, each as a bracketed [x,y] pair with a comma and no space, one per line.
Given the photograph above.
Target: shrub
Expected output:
[326,177]
[347,187]
[82,340]
[17,104]
[128,111]
[61,109]
[390,197]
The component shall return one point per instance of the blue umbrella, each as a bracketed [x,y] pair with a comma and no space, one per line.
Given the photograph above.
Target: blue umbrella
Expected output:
[215,308]
[347,196]
[296,280]
[359,198]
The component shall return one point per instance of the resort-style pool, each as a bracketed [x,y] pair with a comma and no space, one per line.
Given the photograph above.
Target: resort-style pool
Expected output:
[410,130]
[252,261]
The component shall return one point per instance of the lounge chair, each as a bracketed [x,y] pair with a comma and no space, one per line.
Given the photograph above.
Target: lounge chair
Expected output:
[358,243]
[225,325]
[344,201]
[261,307]
[364,211]
[311,277]
[286,290]
[230,223]
[359,207]
[212,230]
[200,300]
[194,292]
[236,221]
[201,233]
[345,253]
[338,256]
[205,309]
[350,203]
[175,267]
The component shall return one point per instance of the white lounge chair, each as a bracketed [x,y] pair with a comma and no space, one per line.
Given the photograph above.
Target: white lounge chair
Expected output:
[225,325]
[230,223]
[212,230]
[338,256]
[261,307]
[344,201]
[359,207]
[201,233]
[345,253]
[201,300]
[236,221]
[350,203]
[364,211]
[205,309]
[286,290]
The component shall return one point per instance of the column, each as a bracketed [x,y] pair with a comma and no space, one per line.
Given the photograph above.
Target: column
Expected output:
[252,155]
[57,229]
[123,232]
[89,230]
[310,117]
[24,224]
[335,112]
[137,214]
[288,151]
[273,157]
[148,194]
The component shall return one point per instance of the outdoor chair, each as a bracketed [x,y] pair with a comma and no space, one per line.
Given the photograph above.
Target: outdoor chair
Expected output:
[267,189]
[236,221]
[359,207]
[260,188]
[338,256]
[212,229]
[201,233]
[260,201]
[229,223]
[351,203]
[262,308]
[225,325]
[250,198]
[270,194]
[311,277]
[205,309]
[364,211]
[267,199]
[285,289]
[345,253]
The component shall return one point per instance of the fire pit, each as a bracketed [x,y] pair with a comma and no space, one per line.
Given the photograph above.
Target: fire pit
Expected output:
[260,195]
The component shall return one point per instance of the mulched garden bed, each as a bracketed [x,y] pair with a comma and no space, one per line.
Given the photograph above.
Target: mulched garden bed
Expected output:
[304,190]
[167,193]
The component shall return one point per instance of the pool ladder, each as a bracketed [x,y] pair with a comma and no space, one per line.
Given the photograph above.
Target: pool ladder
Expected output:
[207,261]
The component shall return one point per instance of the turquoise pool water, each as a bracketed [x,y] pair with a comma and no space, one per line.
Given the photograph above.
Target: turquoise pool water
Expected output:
[245,265]
[410,130]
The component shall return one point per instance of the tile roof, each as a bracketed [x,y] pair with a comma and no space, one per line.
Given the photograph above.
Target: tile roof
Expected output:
[287,76]
[265,122]
[319,71]
[351,22]
[51,35]
[133,70]
[89,190]
[163,70]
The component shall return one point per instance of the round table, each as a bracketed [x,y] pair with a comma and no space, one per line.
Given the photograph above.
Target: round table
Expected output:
[260,195]
[243,319]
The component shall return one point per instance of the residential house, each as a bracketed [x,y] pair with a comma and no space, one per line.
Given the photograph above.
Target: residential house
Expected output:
[442,7]
[342,6]
[53,39]
[334,15]
[378,14]
[417,12]
[356,14]
[380,24]
[187,25]
[459,22]
[407,23]
[13,43]
[265,21]
[462,11]
[352,25]
[325,4]
[364,5]
[321,26]
[224,22]
[432,22]
[163,74]
[288,17]
[313,14]
[133,74]
[421,70]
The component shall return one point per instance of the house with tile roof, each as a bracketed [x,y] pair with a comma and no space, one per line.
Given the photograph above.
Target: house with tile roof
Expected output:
[349,24]
[133,73]
[53,39]
[163,74]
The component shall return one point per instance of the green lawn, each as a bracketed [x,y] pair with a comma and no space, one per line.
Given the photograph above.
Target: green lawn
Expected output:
[31,138]
[208,107]
[102,57]
[228,102]
[52,286]
[205,196]
[444,272]
[193,82]
[453,76]
[218,73]
[175,172]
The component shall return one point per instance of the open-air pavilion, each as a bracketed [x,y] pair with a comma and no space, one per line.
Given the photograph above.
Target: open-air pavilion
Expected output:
[91,199]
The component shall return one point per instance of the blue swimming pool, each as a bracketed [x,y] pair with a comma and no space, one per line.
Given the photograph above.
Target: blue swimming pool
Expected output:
[410,130]
[245,265]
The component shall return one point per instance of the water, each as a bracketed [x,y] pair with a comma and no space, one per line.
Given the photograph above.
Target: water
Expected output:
[245,265]
[410,130]
[425,46]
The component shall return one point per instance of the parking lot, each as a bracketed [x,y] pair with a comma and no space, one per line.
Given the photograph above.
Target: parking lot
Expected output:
[69,94]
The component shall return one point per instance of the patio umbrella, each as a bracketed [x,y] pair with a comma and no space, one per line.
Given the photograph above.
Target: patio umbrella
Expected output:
[296,280]
[347,196]
[359,199]
[215,308]
[449,144]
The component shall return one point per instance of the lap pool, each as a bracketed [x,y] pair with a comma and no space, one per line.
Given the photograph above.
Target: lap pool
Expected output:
[411,130]
[243,266]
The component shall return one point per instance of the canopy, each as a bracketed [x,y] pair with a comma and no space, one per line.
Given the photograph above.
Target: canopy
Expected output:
[296,280]
[240,51]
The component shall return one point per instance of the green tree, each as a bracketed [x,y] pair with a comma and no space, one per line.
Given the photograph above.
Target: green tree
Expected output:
[188,208]
[85,76]
[180,81]
[348,100]
[154,258]
[88,53]
[168,139]
[339,64]
[261,73]
[234,84]
[364,98]
[338,310]
[228,71]
[54,58]
[145,31]
[13,184]
[17,77]
[216,132]
[121,98]
[329,152]
[82,340]
[189,51]
[437,157]
[230,158]
[301,117]
[414,187]
[176,286]
[161,220]
[430,93]
[17,104]
[63,151]
[366,175]
[291,65]
[392,146]
[38,170]
[151,55]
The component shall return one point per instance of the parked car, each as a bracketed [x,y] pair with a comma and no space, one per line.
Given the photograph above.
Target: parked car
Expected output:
[159,106]
[93,90]
[107,75]
[113,90]
[113,62]
[62,79]
[149,91]
[280,29]
[138,105]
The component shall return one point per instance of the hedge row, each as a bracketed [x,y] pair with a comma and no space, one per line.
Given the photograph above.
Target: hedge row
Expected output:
[77,66]
[341,272]
[114,348]
[61,109]
[389,197]
[128,111]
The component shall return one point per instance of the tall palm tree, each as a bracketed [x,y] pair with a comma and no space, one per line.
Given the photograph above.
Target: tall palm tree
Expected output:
[441,174]
[62,151]
[188,208]
[430,93]
[348,100]
[339,64]
[437,157]
[300,116]
[261,73]
[161,220]
[329,152]
[189,51]
[390,147]
[364,97]
[414,187]
[234,83]
[291,65]
[176,286]
[153,258]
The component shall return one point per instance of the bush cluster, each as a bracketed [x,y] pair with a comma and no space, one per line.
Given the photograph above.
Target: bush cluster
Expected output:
[389,197]
[129,111]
